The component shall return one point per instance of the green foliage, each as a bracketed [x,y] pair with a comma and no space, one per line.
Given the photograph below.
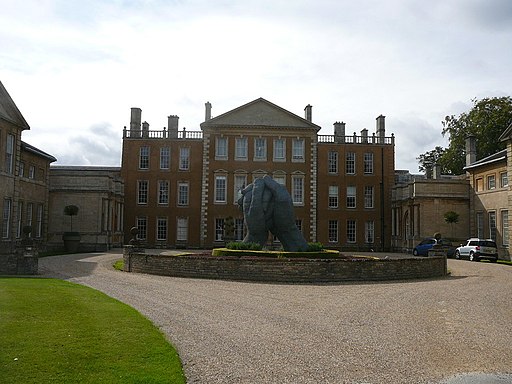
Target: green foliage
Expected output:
[431,158]
[315,247]
[53,331]
[451,217]
[487,120]
[229,227]
[71,210]
[119,265]
[321,254]
[238,245]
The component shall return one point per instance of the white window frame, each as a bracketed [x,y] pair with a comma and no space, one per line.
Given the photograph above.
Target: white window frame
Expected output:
[298,189]
[480,224]
[298,150]
[350,163]
[492,225]
[351,196]
[369,196]
[260,149]
[165,158]
[368,163]
[39,229]
[182,229]
[9,153]
[491,182]
[333,231]
[183,194]
[144,153]
[30,215]
[241,148]
[279,149]
[6,219]
[20,219]
[239,183]
[31,172]
[239,229]
[332,162]
[351,231]
[163,192]
[161,228]
[219,229]
[142,192]
[142,226]
[333,201]
[221,189]
[21,169]
[503,179]
[184,159]
[369,232]
[221,148]
[505,234]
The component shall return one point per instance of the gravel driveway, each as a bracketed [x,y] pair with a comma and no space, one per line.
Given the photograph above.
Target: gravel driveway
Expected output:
[390,332]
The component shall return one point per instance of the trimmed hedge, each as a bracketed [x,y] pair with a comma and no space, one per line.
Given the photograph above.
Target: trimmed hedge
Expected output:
[324,254]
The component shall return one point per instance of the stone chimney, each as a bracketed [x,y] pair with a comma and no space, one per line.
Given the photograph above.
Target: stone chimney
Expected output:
[470,150]
[436,172]
[308,112]
[145,129]
[172,126]
[381,129]
[208,111]
[135,120]
[339,132]
[364,135]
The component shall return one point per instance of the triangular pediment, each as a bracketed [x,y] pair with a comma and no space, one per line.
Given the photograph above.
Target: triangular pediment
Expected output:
[9,111]
[260,113]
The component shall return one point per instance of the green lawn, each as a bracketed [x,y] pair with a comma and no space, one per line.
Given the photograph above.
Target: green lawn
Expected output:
[52,331]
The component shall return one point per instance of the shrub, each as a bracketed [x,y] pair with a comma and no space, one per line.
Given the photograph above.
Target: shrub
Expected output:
[237,245]
[315,247]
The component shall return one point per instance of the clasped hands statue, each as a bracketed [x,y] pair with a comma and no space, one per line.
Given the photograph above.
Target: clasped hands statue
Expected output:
[268,206]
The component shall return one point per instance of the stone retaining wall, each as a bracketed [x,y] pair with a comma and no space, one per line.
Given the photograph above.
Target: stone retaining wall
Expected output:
[284,270]
[21,262]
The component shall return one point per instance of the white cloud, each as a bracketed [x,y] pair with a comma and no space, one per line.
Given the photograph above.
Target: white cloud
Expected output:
[74,66]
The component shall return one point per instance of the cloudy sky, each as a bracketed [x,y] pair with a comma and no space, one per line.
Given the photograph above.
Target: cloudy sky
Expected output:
[75,68]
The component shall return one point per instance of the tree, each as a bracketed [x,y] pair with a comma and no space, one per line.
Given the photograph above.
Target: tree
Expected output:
[486,120]
[431,158]
[451,217]
[71,210]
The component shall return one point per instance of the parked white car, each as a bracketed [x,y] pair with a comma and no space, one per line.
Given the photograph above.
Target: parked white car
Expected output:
[476,249]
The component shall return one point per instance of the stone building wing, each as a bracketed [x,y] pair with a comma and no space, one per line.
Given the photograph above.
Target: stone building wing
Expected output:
[9,111]
[260,113]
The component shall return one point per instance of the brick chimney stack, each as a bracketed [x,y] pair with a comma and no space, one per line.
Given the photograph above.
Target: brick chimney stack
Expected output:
[308,112]
[339,132]
[172,126]
[470,150]
[381,128]
[208,111]
[135,121]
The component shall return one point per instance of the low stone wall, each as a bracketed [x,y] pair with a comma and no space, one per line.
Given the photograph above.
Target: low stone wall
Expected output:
[284,270]
[24,261]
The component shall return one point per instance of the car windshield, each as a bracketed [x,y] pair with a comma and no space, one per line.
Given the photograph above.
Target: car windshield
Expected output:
[487,243]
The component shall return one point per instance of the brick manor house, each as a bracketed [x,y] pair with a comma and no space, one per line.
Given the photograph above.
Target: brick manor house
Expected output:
[181,186]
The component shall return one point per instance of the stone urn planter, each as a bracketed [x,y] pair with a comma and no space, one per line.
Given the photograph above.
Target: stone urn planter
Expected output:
[71,241]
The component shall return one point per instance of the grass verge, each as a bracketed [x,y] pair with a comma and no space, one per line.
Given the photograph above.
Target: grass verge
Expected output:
[119,265]
[53,331]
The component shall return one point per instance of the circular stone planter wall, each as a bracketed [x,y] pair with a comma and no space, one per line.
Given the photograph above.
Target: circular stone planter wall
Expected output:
[284,270]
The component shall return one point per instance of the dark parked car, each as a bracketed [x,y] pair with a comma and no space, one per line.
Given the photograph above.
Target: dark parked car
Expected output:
[422,248]
[476,249]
